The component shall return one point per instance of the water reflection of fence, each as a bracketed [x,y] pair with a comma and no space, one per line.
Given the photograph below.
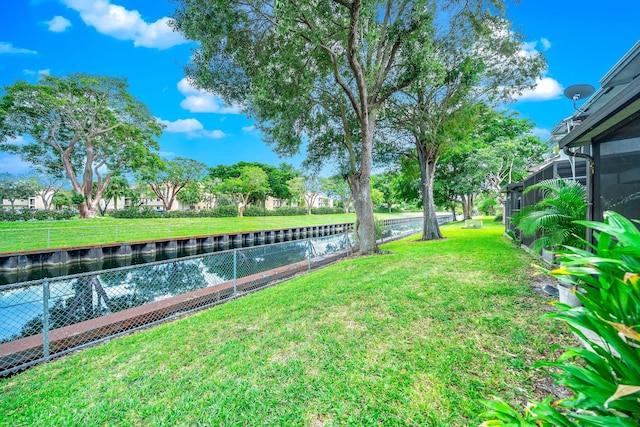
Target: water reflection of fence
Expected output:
[50,317]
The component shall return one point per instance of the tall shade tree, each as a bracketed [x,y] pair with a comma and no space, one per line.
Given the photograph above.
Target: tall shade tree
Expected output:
[278,177]
[48,186]
[252,180]
[191,194]
[86,127]
[385,183]
[507,150]
[307,188]
[317,71]
[118,188]
[476,58]
[338,189]
[496,151]
[16,188]
[167,178]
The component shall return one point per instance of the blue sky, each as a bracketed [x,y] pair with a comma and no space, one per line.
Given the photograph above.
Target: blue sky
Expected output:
[129,38]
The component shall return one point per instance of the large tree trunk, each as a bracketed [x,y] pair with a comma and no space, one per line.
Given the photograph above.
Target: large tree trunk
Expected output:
[467,205]
[430,227]
[363,206]
[85,211]
[360,184]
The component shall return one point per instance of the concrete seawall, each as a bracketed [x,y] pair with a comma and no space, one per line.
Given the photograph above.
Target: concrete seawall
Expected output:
[12,262]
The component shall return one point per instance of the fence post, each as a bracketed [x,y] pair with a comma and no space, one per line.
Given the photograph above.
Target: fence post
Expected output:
[348,245]
[235,272]
[116,233]
[45,319]
[309,254]
[48,237]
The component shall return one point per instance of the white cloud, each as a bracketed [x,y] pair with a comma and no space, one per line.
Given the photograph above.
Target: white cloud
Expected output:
[116,21]
[529,50]
[167,153]
[541,133]
[14,165]
[10,48]
[546,44]
[182,125]
[44,72]
[247,129]
[192,127]
[546,89]
[214,134]
[58,24]
[19,140]
[199,101]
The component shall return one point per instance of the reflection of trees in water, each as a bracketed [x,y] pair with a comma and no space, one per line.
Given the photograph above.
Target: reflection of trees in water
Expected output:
[89,300]
[164,280]
[322,247]
[91,297]
[97,295]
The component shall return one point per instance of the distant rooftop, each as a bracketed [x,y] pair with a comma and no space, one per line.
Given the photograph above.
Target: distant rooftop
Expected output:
[616,100]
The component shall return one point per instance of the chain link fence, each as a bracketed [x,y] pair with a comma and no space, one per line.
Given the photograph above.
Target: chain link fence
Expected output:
[47,318]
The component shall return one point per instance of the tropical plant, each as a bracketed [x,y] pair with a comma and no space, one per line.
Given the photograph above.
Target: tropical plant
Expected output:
[555,219]
[605,380]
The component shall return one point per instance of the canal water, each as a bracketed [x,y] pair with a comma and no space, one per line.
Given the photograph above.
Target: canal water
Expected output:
[72,298]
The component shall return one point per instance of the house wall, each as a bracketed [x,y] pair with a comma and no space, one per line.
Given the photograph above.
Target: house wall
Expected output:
[617,172]
[34,202]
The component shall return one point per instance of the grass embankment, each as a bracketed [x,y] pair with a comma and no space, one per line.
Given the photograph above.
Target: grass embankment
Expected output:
[414,337]
[17,236]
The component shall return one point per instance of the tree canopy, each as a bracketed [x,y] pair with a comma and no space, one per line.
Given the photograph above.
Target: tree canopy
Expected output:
[251,180]
[318,72]
[277,177]
[475,57]
[169,177]
[85,127]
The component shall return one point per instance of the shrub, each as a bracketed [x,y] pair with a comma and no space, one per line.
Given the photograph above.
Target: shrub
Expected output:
[556,217]
[225,211]
[326,211]
[606,381]
[26,214]
[256,211]
[136,212]
[498,218]
[289,211]
[148,212]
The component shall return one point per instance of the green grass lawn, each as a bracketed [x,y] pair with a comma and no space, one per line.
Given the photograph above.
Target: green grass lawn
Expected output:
[16,236]
[417,336]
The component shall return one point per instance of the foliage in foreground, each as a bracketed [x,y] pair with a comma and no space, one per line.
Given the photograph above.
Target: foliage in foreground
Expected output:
[605,381]
[556,217]
[406,338]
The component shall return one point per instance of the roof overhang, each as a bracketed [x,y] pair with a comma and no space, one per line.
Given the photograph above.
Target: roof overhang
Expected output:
[512,186]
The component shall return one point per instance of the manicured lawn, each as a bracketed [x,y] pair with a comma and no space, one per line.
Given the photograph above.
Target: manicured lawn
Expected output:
[15,236]
[413,337]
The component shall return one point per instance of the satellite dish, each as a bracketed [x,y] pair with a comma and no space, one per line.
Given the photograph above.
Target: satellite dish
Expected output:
[576,92]
[579,91]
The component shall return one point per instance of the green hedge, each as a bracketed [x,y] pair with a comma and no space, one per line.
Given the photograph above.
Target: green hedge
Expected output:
[289,211]
[220,211]
[26,214]
[147,212]
[327,211]
[283,211]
